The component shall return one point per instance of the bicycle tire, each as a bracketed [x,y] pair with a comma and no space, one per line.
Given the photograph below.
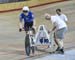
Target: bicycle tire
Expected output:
[27,45]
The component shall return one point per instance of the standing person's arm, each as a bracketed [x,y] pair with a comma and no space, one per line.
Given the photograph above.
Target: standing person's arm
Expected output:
[54,27]
[65,19]
[53,19]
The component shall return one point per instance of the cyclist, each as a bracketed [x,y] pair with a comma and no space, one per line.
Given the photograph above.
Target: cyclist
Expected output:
[27,17]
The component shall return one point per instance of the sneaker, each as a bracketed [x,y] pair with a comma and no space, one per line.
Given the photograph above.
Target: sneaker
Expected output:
[58,48]
[62,51]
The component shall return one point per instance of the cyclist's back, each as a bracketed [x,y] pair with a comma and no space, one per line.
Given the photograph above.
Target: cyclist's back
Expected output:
[28,18]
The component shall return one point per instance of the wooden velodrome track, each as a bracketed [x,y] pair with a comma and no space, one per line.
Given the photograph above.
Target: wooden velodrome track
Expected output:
[12,41]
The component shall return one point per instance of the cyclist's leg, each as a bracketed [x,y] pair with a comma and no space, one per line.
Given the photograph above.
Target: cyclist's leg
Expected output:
[26,27]
[33,29]
[31,26]
[32,33]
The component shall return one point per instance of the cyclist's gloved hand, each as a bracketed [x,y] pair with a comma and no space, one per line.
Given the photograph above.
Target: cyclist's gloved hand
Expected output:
[20,29]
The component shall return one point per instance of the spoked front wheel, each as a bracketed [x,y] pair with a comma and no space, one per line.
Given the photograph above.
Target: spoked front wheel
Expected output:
[27,49]
[27,45]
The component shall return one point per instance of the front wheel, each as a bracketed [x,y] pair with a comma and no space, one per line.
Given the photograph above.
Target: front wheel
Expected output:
[27,49]
[27,45]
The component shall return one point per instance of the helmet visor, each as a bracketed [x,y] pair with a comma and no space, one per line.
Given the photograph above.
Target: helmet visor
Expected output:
[25,11]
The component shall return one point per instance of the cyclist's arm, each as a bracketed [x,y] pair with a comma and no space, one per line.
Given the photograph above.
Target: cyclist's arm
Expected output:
[20,22]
